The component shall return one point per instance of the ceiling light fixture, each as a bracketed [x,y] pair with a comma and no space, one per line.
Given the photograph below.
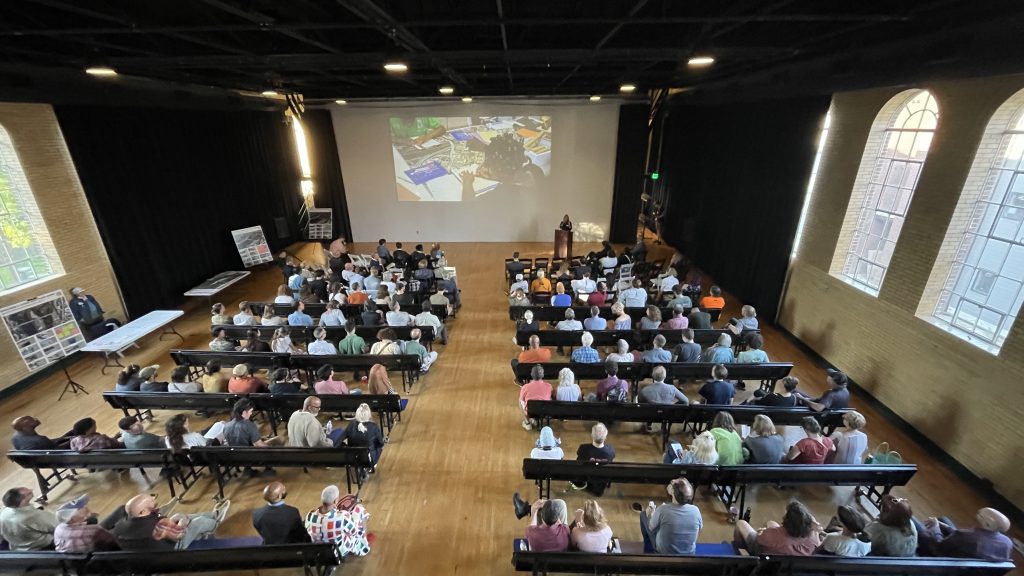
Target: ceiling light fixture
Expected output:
[341,102]
[269,93]
[467,99]
[595,98]
[701,61]
[101,71]
[627,88]
[396,67]
[446,90]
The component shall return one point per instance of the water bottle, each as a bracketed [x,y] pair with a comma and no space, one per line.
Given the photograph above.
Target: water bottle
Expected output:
[329,426]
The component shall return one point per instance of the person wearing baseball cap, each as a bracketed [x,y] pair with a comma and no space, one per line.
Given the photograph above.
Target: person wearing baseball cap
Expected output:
[78,531]
[837,397]
[89,314]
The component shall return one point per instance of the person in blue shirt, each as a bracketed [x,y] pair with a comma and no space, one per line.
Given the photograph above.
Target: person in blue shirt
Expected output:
[561,298]
[295,282]
[595,322]
[719,390]
[586,354]
[721,352]
[300,318]
[687,350]
[754,353]
[658,354]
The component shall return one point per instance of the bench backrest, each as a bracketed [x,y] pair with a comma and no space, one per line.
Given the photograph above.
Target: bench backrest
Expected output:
[547,313]
[636,338]
[302,334]
[636,371]
[280,457]
[675,413]
[214,559]
[97,459]
[264,402]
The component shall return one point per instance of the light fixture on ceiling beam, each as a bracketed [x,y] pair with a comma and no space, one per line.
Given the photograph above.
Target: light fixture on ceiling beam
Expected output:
[701,60]
[393,62]
[395,66]
[595,98]
[103,71]
[341,102]
[627,88]
[269,92]
[446,90]
[467,99]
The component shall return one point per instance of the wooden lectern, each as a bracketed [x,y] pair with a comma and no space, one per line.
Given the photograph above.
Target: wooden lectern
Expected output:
[563,243]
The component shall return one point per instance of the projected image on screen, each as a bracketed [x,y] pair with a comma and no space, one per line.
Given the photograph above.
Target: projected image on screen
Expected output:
[452,159]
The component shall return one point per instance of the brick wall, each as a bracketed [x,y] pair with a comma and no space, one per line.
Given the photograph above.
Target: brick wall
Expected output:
[51,174]
[966,400]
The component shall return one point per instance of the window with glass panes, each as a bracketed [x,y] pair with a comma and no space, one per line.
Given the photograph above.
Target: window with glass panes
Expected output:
[894,175]
[26,251]
[983,291]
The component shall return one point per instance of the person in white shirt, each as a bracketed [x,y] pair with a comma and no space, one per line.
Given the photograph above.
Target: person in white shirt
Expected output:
[668,281]
[584,285]
[622,353]
[371,282]
[271,319]
[520,284]
[609,262]
[634,296]
[570,322]
[357,278]
[180,382]
[332,316]
[347,272]
[396,317]
[427,318]
[244,316]
[284,295]
[320,346]
[548,447]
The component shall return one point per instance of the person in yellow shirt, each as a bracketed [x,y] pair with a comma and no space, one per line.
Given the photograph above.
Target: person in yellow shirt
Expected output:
[540,283]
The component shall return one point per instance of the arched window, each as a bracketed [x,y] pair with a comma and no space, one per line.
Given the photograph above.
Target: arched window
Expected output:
[893,157]
[975,289]
[26,251]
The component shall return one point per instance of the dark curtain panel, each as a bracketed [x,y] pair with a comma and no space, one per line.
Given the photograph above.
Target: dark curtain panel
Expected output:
[323,152]
[629,172]
[737,175]
[166,188]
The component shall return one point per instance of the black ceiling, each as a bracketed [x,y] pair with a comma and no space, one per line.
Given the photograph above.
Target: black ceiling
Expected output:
[327,49]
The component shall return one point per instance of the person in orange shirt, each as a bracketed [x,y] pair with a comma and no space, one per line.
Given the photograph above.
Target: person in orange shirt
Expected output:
[357,296]
[715,300]
[540,283]
[535,389]
[535,353]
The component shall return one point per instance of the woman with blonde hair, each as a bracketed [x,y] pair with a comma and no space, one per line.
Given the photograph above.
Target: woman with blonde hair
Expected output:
[851,443]
[622,320]
[568,390]
[363,432]
[702,451]
[590,530]
[282,342]
[651,320]
[271,319]
[378,382]
[764,445]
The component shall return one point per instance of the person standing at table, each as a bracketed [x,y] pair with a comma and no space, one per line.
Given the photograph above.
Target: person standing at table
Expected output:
[89,314]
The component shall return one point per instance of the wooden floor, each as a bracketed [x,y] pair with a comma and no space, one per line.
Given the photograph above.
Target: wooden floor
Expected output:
[441,500]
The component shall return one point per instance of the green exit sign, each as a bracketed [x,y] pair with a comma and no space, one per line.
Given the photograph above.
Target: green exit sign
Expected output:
[655,175]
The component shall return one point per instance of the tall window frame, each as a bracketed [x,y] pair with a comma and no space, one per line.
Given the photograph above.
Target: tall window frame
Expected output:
[27,252]
[976,287]
[890,168]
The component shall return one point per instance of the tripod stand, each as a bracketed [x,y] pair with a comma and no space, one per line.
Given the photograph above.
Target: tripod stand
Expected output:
[71,385]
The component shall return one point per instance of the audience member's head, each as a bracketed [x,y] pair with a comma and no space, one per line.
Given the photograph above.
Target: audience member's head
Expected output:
[705,449]
[724,421]
[320,333]
[17,497]
[599,433]
[242,409]
[279,375]
[763,426]
[217,309]
[528,316]
[240,371]
[587,339]
[426,306]
[687,335]
[275,492]
[25,424]
[724,340]
[618,309]
[716,291]
[659,341]
[386,334]
[569,314]
[810,425]
[677,310]
[748,311]
[854,420]
[324,372]
[179,374]
[836,378]
[141,506]
[755,342]
[593,515]
[798,521]
[311,404]
[658,374]
[566,378]
[611,367]
[681,491]
[84,427]
[654,313]
[537,372]
[350,326]
[415,334]
[896,512]
[719,372]
[621,346]
[789,383]
[212,367]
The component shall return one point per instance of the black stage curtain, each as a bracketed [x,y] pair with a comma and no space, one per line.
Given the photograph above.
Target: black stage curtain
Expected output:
[323,152]
[737,174]
[629,172]
[166,188]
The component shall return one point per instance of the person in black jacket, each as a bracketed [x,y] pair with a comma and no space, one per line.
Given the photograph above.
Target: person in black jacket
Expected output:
[255,344]
[364,432]
[89,314]
[277,522]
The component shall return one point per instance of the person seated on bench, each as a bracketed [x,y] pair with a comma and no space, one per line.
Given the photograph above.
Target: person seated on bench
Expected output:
[596,451]
[282,383]
[584,286]
[372,282]
[519,285]
[25,436]
[332,316]
[727,440]
[599,297]
[679,299]
[79,532]
[547,447]
[699,319]
[149,382]
[568,390]
[136,438]
[585,354]
[541,283]
[547,531]
[589,530]
[371,316]
[611,388]
[527,324]
[284,296]
[714,299]
[320,346]
[398,317]
[657,354]
[413,346]
[702,451]
[746,321]
[244,316]
[244,382]
[277,522]
[282,342]
[720,353]
[784,399]
[428,318]
[673,527]
[764,445]
[352,343]
[86,437]
[533,354]
[660,392]
[814,448]
[146,528]
[299,316]
[845,536]
[179,437]
[651,319]
[635,296]
[269,318]
[893,533]
[837,397]
[620,320]
[940,537]
[363,432]
[518,298]
[378,382]
[402,295]
[687,350]
[221,342]
[254,343]
[357,296]
[180,382]
[386,343]
[622,353]
[569,324]
[340,520]
[718,391]
[242,431]
[326,384]
[22,526]
[754,353]
[304,430]
[214,379]
[851,443]
[438,298]
[218,317]
[678,321]
[595,322]
[560,298]
[796,536]
[536,389]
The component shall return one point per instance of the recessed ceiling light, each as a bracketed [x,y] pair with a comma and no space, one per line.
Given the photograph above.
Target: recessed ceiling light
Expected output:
[627,88]
[595,98]
[101,71]
[446,90]
[467,99]
[395,66]
[701,61]
[269,93]
[341,102]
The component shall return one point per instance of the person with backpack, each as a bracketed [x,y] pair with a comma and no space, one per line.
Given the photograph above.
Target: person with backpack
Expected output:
[612,388]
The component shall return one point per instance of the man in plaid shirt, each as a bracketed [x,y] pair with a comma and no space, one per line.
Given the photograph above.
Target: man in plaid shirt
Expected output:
[586,354]
[78,531]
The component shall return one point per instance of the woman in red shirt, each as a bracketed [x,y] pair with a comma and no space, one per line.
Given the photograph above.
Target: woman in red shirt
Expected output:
[814,448]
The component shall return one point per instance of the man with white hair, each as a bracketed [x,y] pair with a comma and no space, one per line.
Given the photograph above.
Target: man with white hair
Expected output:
[519,284]
[75,534]
[596,451]
[586,354]
[413,346]
[622,353]
[721,352]
[988,541]
[396,317]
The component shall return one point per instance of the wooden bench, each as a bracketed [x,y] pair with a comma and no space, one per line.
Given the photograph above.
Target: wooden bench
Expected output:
[547,313]
[313,559]
[636,338]
[302,334]
[767,374]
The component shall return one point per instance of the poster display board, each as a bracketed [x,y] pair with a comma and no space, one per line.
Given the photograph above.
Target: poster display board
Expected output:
[211,286]
[321,224]
[252,246]
[43,329]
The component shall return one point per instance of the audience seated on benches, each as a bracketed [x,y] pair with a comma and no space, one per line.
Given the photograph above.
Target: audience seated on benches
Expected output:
[135,438]
[672,527]
[304,430]
[341,521]
[362,432]
[26,438]
[277,522]
[797,535]
[813,449]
